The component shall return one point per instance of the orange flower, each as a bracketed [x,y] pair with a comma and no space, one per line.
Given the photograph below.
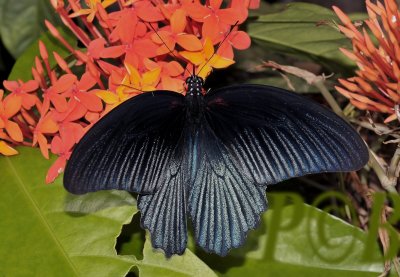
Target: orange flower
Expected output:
[46,125]
[62,146]
[54,93]
[206,59]
[8,108]
[79,94]
[24,92]
[377,84]
[175,34]
[213,18]
[236,39]
[171,74]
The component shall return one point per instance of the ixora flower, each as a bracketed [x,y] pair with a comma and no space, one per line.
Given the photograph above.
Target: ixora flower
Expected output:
[130,47]
[376,85]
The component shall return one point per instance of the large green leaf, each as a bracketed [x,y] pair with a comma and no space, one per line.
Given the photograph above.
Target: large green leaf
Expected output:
[154,263]
[301,29]
[22,22]
[23,66]
[47,232]
[300,240]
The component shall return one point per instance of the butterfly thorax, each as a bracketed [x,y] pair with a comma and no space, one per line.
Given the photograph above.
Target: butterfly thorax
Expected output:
[194,98]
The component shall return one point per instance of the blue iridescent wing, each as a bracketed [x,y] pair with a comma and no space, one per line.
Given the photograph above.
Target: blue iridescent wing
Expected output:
[223,203]
[130,148]
[273,134]
[163,213]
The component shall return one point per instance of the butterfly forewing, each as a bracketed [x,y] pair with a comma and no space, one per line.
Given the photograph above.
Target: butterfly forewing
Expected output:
[130,148]
[274,135]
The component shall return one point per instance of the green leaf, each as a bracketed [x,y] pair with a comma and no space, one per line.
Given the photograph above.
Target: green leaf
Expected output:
[22,22]
[46,231]
[154,263]
[302,29]
[300,240]
[23,66]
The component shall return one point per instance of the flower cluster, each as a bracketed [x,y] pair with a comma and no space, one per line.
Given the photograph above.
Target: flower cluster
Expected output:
[130,46]
[377,84]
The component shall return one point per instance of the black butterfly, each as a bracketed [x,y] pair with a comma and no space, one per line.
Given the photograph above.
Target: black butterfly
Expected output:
[209,157]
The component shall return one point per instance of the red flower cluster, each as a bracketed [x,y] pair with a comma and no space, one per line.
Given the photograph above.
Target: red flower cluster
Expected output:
[131,46]
[376,86]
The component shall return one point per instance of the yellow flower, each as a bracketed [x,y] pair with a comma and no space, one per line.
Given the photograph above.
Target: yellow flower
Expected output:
[92,8]
[132,84]
[206,59]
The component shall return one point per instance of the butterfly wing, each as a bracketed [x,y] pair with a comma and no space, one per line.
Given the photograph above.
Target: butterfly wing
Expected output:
[223,203]
[164,212]
[129,148]
[275,135]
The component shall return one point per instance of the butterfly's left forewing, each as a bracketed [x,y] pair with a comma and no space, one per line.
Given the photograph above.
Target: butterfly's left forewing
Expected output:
[130,148]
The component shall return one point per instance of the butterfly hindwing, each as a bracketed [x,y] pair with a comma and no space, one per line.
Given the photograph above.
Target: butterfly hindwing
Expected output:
[273,134]
[223,203]
[130,148]
[163,213]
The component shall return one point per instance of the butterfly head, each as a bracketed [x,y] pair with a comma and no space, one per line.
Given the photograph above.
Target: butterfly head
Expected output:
[194,85]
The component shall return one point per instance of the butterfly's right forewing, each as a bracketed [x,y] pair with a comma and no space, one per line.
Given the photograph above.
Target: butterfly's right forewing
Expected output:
[275,135]
[130,148]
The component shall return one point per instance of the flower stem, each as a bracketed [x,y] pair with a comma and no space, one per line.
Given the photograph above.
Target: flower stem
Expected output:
[328,97]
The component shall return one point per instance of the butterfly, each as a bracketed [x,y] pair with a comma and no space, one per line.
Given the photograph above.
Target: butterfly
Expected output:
[208,157]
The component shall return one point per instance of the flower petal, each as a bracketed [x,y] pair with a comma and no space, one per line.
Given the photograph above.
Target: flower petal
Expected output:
[178,21]
[196,11]
[151,77]
[48,125]
[210,28]
[7,150]
[10,85]
[108,97]
[64,83]
[43,145]
[174,69]
[189,42]
[240,40]
[59,102]
[14,131]
[30,86]
[12,105]
[220,62]
[55,170]
[113,51]
[194,57]
[90,101]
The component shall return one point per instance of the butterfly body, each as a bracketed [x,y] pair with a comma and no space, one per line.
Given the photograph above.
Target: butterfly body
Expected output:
[194,100]
[209,157]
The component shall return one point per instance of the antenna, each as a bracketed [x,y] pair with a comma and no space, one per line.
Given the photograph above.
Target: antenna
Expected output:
[128,86]
[219,45]
[155,31]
